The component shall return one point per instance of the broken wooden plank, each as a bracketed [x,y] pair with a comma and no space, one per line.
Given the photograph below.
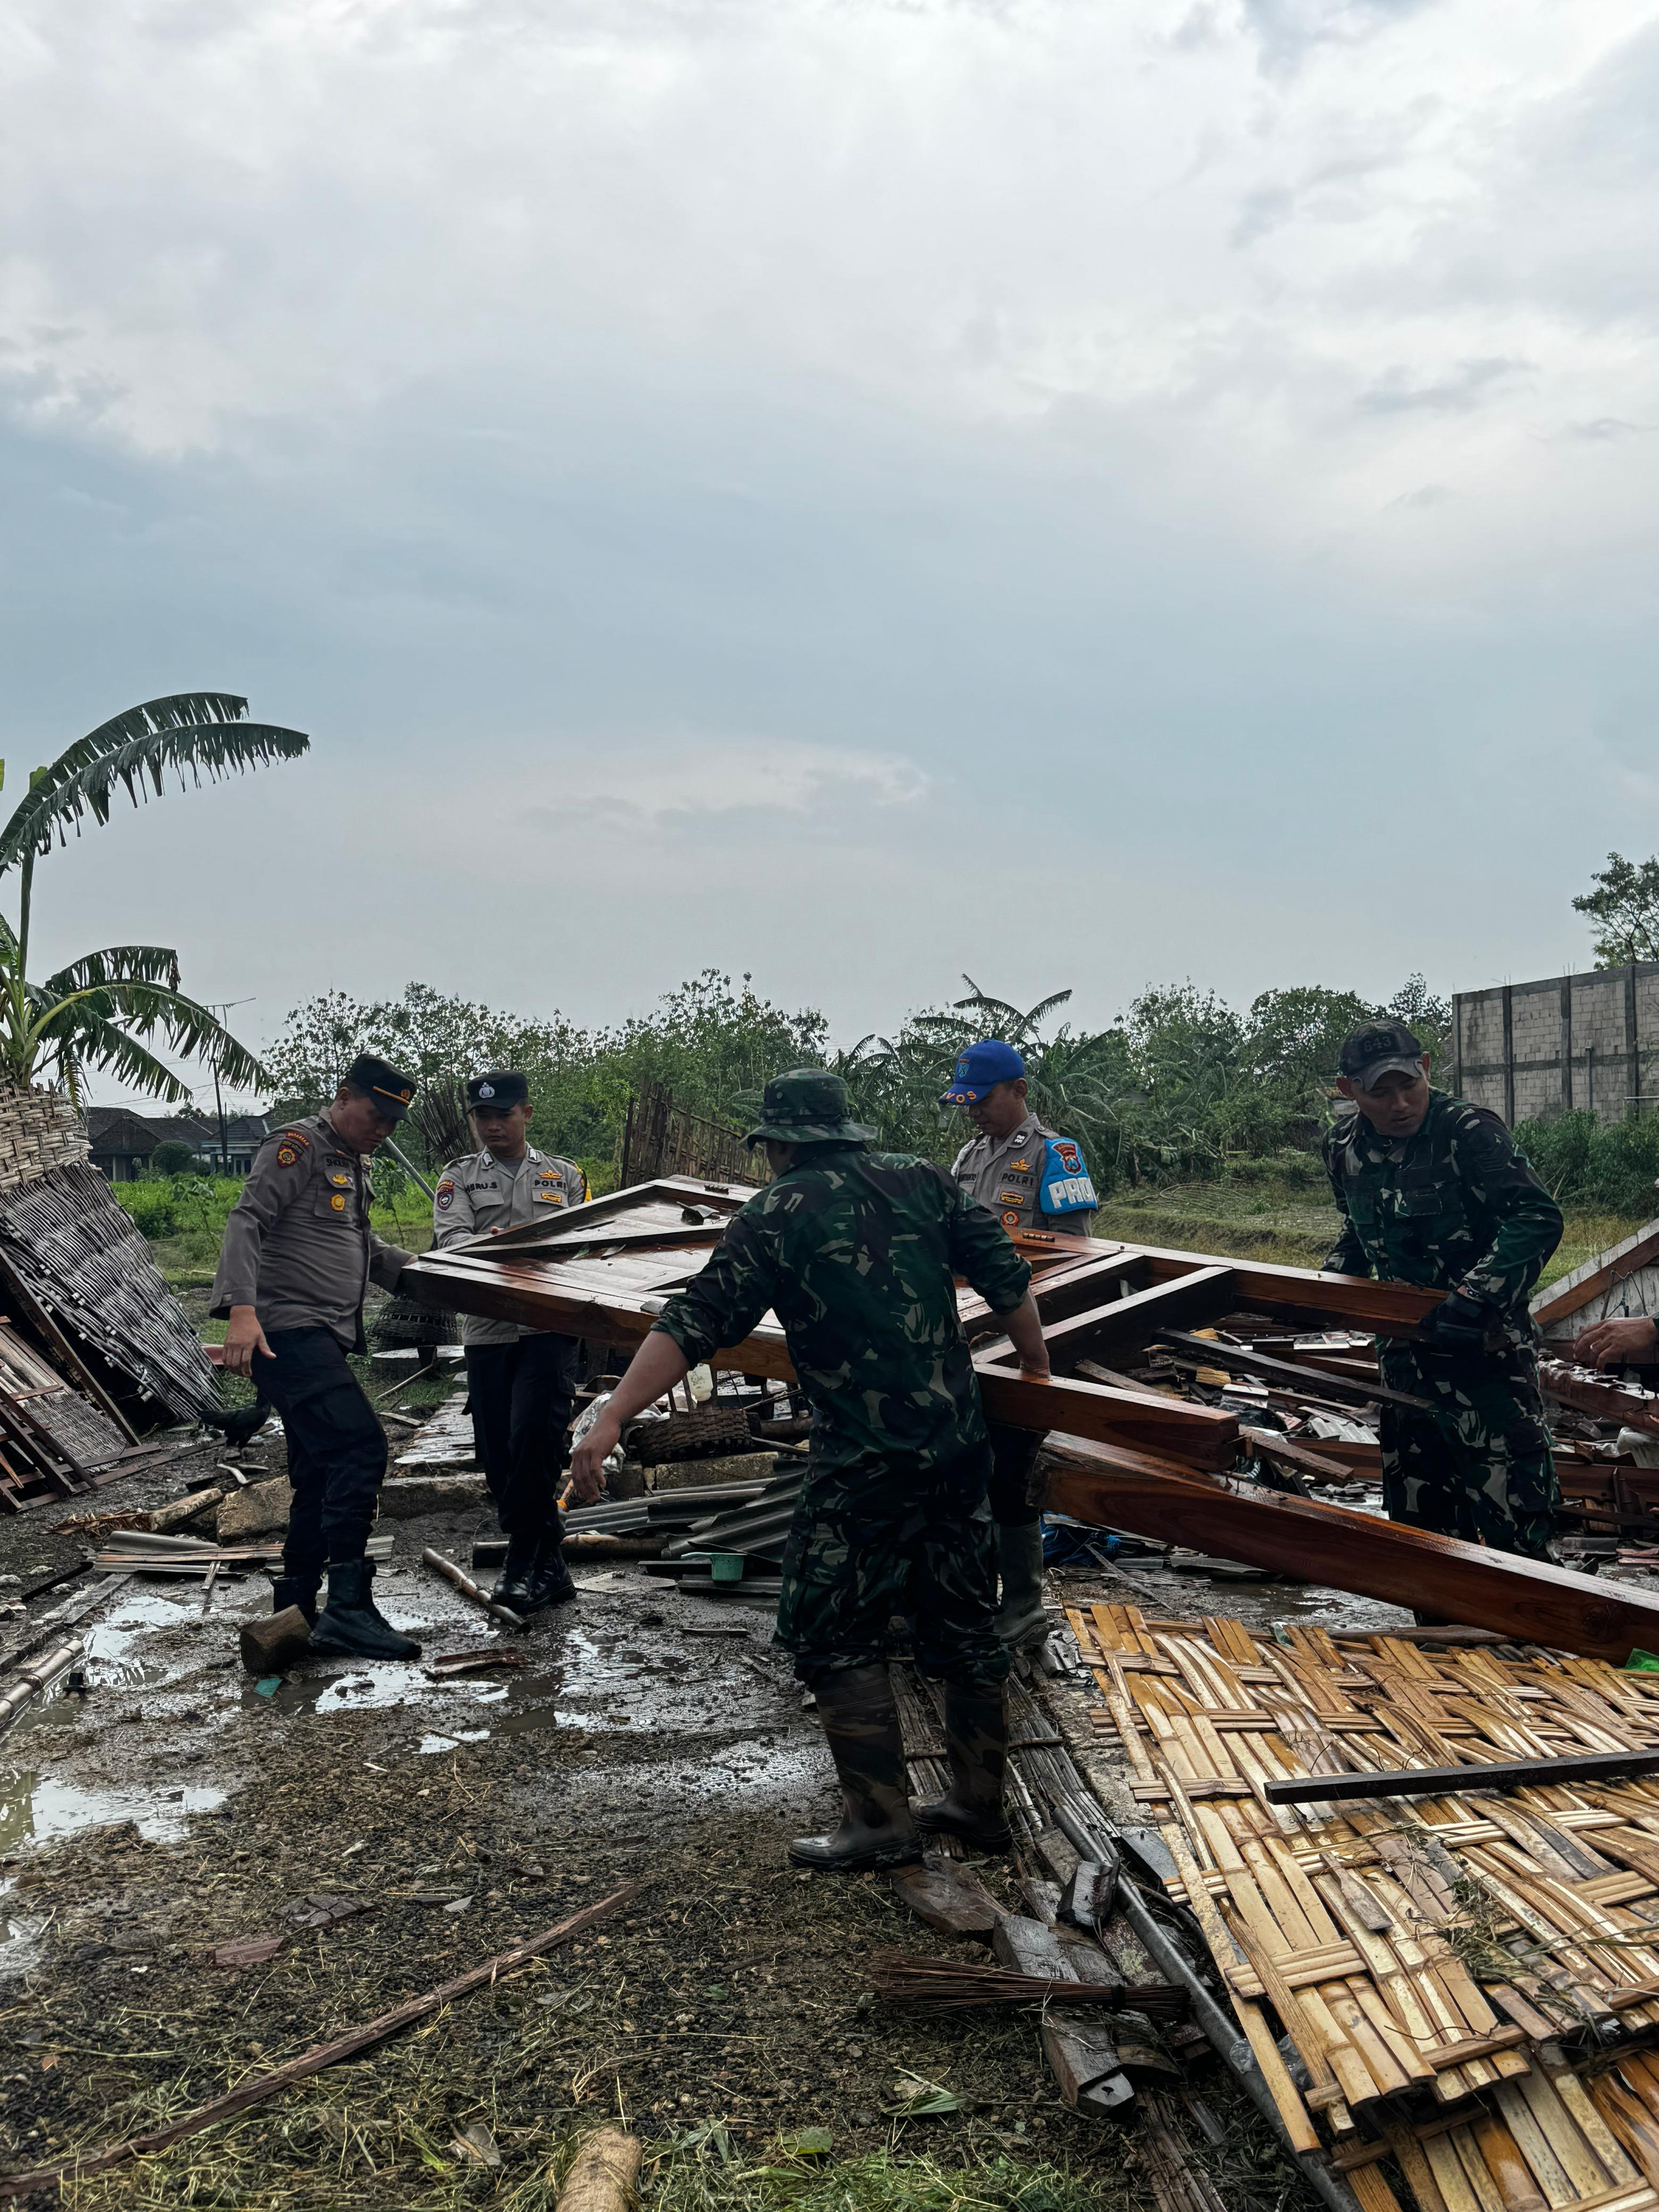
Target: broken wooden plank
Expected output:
[464,1583]
[1317,1543]
[1319,1382]
[1603,1271]
[1461,1781]
[1594,1395]
[949,1899]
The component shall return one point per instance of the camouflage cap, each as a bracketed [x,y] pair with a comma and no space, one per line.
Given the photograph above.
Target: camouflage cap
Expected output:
[807,1106]
[1369,1054]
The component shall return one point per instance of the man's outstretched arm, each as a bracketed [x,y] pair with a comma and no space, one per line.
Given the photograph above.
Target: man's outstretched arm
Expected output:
[655,1368]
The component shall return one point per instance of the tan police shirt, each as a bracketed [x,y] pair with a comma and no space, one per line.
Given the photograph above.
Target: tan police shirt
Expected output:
[478,1192]
[1011,1175]
[298,1245]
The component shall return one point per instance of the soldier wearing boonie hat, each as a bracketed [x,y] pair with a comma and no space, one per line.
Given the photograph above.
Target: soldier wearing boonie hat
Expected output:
[856,1253]
[299,1254]
[1432,1191]
[521,1383]
[1031,1177]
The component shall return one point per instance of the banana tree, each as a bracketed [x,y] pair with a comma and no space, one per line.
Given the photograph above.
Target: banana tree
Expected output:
[97,1011]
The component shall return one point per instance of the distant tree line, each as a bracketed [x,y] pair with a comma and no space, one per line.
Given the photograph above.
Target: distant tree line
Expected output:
[1181,1085]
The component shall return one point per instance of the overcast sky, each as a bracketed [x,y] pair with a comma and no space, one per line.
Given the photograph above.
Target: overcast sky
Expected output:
[1087,494]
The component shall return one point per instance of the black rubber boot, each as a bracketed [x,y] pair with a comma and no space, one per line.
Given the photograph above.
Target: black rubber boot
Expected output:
[977,1741]
[861,1725]
[297,1589]
[551,1583]
[349,1622]
[1020,1617]
[514,1585]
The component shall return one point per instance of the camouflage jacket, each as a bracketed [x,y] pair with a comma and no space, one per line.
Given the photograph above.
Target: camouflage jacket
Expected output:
[855,1252]
[1453,1207]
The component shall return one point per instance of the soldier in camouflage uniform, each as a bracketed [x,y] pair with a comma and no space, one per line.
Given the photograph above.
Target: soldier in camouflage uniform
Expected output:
[1432,1191]
[855,1251]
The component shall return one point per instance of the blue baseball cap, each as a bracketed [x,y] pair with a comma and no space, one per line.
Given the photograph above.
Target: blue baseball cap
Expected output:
[980,1069]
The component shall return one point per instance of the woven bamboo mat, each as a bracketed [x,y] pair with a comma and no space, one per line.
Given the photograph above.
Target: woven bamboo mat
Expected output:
[1468,1981]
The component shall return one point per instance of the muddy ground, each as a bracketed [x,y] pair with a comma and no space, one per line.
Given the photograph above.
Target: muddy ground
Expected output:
[176,1806]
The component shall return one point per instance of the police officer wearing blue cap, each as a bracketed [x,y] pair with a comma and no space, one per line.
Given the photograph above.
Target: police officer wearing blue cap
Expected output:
[1031,1178]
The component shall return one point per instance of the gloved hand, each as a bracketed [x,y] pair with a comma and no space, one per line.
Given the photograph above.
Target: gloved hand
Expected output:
[1461,1323]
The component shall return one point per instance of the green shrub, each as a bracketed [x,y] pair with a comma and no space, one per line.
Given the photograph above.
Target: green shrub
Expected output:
[1585,1163]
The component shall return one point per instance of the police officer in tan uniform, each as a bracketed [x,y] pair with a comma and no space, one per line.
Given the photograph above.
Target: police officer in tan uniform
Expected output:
[1030,1177]
[521,1383]
[298,1256]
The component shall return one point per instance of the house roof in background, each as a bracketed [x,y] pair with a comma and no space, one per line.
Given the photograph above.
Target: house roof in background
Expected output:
[120,1129]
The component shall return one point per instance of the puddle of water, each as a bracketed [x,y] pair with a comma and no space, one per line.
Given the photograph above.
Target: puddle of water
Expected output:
[34,1808]
[115,1659]
[431,1743]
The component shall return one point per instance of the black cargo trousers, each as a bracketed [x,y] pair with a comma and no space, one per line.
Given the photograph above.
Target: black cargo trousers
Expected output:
[521,1396]
[335,1447]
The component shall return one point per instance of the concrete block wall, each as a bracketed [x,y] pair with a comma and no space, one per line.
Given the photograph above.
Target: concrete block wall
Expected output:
[1528,1050]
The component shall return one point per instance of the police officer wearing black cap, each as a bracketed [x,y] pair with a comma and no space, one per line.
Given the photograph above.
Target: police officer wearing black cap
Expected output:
[521,1383]
[298,1256]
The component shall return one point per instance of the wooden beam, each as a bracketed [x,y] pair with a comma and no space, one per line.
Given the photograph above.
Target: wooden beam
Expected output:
[1267,1444]
[1307,1294]
[1128,1324]
[534,1296]
[1458,1781]
[1137,1420]
[1521,1598]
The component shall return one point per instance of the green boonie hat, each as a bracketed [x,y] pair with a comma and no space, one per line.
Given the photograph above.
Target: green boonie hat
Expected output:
[807,1106]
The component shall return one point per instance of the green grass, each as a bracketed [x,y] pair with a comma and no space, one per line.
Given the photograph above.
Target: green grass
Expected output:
[1284,1223]
[183,1220]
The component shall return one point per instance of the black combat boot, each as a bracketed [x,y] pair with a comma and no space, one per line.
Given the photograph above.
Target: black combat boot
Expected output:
[514,1585]
[350,1622]
[860,1723]
[550,1583]
[976,1741]
[297,1589]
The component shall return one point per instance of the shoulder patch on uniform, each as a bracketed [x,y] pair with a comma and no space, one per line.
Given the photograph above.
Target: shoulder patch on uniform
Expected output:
[1066,1185]
[444,1196]
[296,1137]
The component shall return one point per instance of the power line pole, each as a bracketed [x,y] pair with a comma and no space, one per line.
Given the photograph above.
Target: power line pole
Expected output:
[221,1008]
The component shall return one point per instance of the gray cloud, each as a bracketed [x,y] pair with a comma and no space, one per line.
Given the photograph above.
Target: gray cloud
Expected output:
[776,485]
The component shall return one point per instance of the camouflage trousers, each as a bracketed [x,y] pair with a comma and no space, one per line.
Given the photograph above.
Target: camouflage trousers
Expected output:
[868,1542]
[1479,1466]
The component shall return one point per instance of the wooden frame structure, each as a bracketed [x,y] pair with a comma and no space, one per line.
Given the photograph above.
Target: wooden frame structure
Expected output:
[1120,1456]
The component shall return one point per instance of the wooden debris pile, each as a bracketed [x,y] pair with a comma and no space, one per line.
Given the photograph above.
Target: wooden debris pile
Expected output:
[76,1258]
[1468,1982]
[1097,2060]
